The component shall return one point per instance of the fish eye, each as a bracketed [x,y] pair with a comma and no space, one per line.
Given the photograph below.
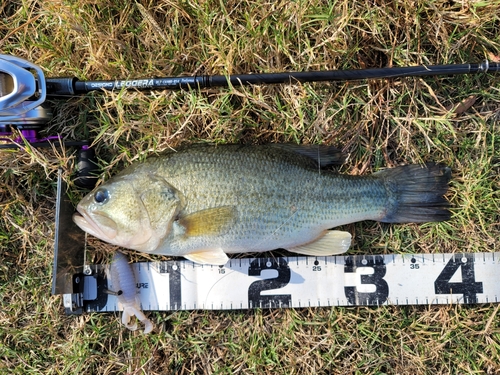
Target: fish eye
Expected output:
[101,196]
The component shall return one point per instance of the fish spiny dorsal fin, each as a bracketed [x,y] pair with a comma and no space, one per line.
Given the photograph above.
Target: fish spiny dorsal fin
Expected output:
[209,221]
[332,242]
[322,155]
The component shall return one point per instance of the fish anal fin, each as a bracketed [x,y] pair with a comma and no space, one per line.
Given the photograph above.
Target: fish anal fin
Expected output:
[209,221]
[331,243]
[216,257]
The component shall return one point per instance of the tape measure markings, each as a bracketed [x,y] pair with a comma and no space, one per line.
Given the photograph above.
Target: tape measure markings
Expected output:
[281,282]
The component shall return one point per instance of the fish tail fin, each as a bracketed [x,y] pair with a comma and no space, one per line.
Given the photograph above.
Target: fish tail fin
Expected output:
[416,193]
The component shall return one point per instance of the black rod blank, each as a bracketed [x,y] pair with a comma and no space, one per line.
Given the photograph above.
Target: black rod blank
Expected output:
[72,86]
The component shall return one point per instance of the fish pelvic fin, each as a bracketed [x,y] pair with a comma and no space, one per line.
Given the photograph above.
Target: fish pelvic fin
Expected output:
[416,193]
[331,243]
[216,257]
[210,221]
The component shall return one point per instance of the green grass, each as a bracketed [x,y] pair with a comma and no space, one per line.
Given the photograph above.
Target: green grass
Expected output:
[377,123]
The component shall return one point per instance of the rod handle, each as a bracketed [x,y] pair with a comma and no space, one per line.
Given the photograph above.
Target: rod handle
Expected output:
[87,168]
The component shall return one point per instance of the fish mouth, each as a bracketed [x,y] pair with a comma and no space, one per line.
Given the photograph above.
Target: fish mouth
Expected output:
[97,225]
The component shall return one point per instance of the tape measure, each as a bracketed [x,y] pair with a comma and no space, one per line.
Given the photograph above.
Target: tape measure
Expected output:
[294,282]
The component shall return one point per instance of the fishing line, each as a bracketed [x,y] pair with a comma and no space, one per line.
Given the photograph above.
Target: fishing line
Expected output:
[275,231]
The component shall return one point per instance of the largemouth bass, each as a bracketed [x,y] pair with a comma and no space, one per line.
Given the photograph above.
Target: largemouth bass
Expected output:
[207,201]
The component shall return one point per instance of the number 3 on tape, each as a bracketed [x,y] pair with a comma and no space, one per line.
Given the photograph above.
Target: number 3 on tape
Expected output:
[381,293]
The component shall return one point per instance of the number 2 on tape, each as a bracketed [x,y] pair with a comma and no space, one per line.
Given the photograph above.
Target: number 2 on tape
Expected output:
[255,299]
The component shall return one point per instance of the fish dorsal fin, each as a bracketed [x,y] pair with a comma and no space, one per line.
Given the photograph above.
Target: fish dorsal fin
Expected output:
[333,242]
[323,155]
[162,202]
[216,257]
[208,221]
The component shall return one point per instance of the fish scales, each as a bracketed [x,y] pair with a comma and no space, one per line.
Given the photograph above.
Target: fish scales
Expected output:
[274,196]
[232,198]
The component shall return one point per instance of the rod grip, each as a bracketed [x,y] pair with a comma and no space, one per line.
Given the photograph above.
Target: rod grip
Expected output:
[61,86]
[87,168]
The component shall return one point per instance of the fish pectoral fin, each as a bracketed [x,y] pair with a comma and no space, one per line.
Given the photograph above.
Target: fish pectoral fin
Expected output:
[333,242]
[216,257]
[209,221]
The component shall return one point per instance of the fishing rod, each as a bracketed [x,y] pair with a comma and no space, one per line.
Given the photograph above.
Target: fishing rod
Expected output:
[24,89]
[65,87]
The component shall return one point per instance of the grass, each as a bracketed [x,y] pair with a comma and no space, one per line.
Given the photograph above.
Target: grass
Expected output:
[378,123]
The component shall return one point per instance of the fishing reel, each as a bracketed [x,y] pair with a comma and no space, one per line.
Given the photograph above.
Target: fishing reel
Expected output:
[22,95]
[23,91]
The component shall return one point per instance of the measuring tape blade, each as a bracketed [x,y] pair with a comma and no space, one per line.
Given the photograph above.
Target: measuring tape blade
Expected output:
[291,282]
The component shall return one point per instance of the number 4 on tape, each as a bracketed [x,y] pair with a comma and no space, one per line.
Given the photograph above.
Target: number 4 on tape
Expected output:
[469,287]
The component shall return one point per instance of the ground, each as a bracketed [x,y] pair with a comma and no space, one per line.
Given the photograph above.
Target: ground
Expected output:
[377,123]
